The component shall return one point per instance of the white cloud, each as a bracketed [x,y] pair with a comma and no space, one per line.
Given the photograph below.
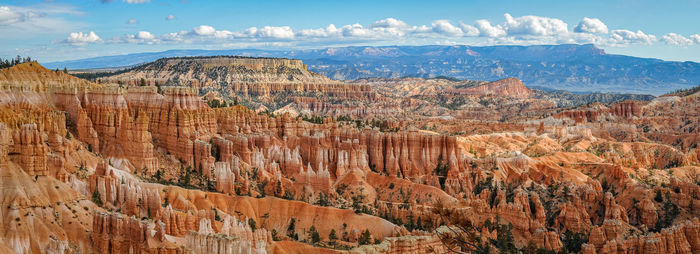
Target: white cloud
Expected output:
[469,30]
[203,33]
[174,37]
[170,17]
[141,37]
[223,34]
[626,37]
[355,30]
[271,32]
[676,40]
[696,38]
[137,1]
[487,30]
[132,21]
[534,25]
[204,30]
[583,38]
[318,33]
[524,30]
[80,38]
[389,23]
[446,28]
[21,22]
[144,35]
[591,25]
[9,16]
[389,27]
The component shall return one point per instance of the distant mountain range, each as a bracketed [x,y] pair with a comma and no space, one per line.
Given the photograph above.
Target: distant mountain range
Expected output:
[575,68]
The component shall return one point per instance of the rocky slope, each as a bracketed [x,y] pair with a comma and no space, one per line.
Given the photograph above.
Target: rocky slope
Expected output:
[102,168]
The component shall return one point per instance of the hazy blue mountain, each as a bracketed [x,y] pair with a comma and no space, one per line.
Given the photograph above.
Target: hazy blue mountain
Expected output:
[576,68]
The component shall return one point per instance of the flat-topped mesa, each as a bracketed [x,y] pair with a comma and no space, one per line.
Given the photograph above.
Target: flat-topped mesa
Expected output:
[241,75]
[194,71]
[509,87]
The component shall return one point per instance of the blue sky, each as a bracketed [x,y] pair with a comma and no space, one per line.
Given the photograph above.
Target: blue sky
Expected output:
[62,30]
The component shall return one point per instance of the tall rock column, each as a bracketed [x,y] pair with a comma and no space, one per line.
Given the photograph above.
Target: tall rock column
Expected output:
[29,150]
[203,161]
[138,146]
[4,145]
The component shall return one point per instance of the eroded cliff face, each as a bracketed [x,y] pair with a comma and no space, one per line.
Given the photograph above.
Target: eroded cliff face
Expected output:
[99,168]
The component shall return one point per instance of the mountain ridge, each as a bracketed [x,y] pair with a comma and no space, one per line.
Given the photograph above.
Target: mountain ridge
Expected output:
[571,67]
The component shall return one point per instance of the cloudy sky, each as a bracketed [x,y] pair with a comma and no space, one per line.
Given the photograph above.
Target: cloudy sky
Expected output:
[53,30]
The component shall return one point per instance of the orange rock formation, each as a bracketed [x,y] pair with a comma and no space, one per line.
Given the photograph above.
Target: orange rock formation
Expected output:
[99,168]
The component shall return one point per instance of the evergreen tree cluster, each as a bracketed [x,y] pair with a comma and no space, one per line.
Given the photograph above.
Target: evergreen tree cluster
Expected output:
[7,63]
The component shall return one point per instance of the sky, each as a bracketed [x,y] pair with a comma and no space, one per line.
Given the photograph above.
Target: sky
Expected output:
[55,30]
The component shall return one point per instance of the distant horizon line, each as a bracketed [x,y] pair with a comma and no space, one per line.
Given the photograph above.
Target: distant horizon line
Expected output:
[349,46]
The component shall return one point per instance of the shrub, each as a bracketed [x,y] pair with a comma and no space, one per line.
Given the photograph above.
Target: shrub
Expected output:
[252,224]
[96,198]
[274,235]
[332,236]
[314,236]
[669,213]
[365,237]
[573,241]
[441,171]
[505,242]
[658,197]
